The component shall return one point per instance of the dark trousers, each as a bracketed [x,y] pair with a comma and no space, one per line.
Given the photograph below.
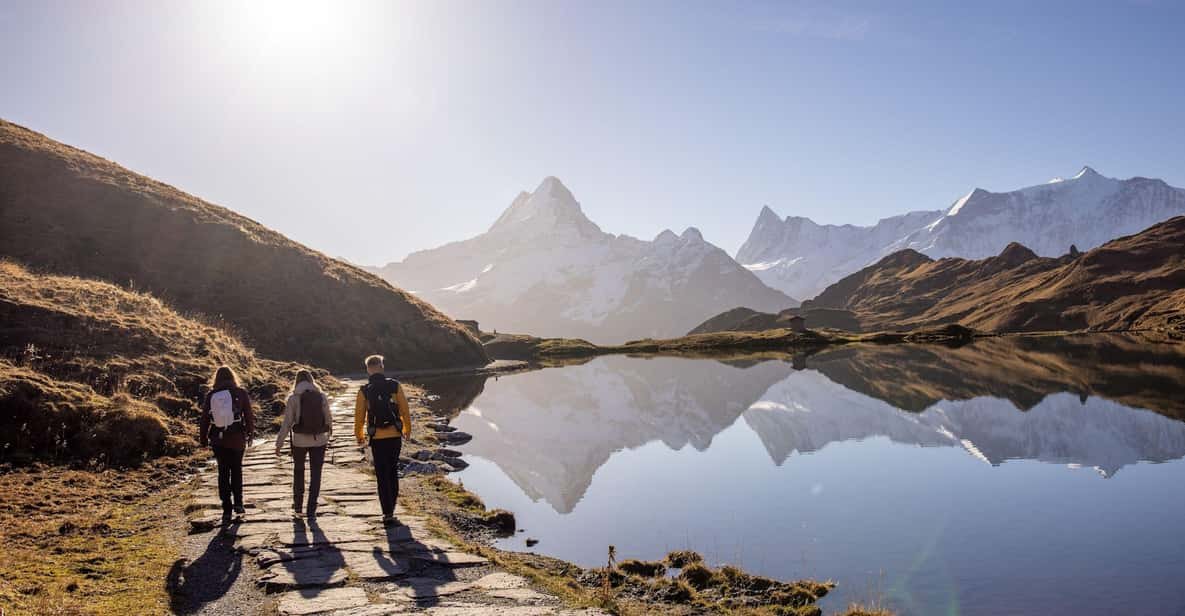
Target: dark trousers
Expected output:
[385,452]
[230,475]
[316,457]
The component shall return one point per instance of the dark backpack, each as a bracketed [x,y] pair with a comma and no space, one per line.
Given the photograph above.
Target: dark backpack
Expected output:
[382,405]
[312,414]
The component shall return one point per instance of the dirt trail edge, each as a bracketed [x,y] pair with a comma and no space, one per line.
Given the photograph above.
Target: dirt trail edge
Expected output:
[344,563]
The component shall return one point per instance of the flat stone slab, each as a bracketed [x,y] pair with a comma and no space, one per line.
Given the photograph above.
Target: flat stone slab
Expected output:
[416,588]
[313,601]
[449,559]
[491,610]
[379,609]
[500,581]
[375,565]
[522,595]
[292,539]
[304,573]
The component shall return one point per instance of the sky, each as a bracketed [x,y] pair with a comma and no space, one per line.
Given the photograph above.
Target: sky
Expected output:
[370,129]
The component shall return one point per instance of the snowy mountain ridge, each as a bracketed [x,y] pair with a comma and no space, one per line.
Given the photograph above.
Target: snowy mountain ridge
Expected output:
[544,268]
[801,258]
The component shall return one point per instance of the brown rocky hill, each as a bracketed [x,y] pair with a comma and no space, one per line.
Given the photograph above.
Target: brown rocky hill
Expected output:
[70,212]
[92,373]
[1134,282]
[748,320]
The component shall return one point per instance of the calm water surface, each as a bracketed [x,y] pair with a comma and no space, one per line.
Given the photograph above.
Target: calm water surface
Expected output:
[1012,476]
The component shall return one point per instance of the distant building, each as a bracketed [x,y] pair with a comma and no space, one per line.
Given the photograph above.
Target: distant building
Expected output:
[796,323]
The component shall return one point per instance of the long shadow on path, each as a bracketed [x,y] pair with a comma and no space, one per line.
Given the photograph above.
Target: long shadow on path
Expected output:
[192,585]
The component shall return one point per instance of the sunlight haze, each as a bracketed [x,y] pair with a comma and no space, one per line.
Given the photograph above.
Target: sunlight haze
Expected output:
[328,120]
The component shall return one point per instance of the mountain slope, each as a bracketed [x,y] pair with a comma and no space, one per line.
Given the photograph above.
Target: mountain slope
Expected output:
[544,268]
[802,258]
[1134,282]
[71,212]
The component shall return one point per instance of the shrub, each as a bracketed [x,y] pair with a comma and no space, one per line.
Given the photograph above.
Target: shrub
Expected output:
[681,558]
[642,567]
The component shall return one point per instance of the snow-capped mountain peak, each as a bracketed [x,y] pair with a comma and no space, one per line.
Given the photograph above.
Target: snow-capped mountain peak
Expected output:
[545,269]
[550,208]
[802,258]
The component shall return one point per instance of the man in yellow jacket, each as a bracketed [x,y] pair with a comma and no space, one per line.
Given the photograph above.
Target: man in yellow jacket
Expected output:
[382,417]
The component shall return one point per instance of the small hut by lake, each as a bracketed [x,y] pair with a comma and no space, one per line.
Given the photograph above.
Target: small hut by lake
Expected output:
[796,323]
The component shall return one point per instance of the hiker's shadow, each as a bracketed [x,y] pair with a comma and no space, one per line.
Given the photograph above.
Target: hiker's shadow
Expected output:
[191,585]
[323,569]
[422,577]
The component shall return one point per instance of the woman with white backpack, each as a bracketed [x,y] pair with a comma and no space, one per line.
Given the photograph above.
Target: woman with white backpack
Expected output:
[308,420]
[227,425]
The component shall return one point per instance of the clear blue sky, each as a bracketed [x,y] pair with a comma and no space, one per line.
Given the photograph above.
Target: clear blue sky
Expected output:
[337,122]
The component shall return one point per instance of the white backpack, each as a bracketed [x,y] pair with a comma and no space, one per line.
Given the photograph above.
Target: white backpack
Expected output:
[222,408]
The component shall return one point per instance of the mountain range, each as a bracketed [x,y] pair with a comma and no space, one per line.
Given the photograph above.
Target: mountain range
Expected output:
[802,258]
[1134,282]
[544,268]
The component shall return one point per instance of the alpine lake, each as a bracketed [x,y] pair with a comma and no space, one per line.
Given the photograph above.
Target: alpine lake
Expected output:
[1012,475]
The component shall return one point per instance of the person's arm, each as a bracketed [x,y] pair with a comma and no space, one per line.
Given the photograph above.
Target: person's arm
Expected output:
[248,417]
[286,423]
[404,412]
[328,413]
[360,417]
[204,422]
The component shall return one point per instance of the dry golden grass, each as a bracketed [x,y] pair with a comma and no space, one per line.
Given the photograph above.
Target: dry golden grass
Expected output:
[91,373]
[83,542]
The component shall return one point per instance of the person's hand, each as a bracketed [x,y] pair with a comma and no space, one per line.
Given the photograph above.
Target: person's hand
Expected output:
[407,433]
[361,442]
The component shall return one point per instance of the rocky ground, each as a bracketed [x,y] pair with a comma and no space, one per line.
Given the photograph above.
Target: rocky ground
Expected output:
[345,562]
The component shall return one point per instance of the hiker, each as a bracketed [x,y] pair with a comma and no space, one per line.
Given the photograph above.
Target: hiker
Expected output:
[307,419]
[228,424]
[382,421]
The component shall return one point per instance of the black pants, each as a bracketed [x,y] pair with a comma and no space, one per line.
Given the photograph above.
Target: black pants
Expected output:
[385,452]
[316,457]
[230,476]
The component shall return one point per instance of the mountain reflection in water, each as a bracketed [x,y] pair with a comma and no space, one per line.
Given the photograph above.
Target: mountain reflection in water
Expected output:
[1058,400]
[936,475]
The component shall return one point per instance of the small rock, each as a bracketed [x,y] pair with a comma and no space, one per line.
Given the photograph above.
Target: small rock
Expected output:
[532,542]
[448,453]
[439,427]
[453,438]
[422,455]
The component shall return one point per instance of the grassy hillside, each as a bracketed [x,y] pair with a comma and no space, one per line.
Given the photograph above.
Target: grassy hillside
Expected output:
[92,374]
[1131,283]
[70,212]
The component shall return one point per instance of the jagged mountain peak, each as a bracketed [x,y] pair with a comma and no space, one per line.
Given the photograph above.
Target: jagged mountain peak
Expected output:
[665,237]
[692,234]
[1087,172]
[768,215]
[549,208]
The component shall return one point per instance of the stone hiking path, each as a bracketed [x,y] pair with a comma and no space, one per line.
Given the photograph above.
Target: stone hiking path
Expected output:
[345,563]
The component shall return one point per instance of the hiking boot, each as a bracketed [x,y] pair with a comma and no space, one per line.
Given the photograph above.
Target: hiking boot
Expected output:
[389,520]
[226,518]
[240,510]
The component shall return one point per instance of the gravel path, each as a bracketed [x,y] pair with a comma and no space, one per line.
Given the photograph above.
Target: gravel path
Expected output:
[345,563]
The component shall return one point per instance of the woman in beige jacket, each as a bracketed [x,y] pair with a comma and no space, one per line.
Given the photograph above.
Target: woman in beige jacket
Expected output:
[308,420]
